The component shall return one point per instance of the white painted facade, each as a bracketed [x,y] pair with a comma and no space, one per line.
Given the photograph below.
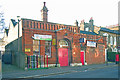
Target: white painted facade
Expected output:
[13,33]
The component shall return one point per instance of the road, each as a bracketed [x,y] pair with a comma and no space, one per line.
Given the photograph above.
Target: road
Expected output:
[107,72]
[89,71]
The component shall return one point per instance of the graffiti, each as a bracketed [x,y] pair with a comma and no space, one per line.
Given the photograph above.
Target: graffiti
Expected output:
[96,53]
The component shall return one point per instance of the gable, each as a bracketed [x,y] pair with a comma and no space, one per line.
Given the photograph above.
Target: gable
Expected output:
[64,30]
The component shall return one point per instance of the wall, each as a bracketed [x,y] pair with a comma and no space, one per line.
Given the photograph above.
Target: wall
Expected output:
[28,41]
[95,55]
[74,48]
[13,32]
[110,48]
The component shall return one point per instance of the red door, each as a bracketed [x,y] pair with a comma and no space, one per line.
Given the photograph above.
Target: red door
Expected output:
[63,56]
[82,57]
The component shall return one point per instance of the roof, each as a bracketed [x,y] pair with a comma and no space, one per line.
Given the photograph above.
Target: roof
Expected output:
[49,22]
[87,32]
[110,31]
[14,22]
[44,7]
[6,31]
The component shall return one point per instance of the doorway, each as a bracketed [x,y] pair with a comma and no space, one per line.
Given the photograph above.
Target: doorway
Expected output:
[82,57]
[63,56]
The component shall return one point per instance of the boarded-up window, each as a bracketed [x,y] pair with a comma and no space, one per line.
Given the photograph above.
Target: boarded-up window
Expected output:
[36,47]
[48,48]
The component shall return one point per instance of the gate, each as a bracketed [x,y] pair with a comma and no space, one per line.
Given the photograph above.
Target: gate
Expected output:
[36,61]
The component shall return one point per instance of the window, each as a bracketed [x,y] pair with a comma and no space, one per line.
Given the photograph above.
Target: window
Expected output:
[75,30]
[87,29]
[43,25]
[105,34]
[51,27]
[31,24]
[111,40]
[34,24]
[40,25]
[27,23]
[107,38]
[63,43]
[48,26]
[36,47]
[24,23]
[115,41]
[48,48]
[57,27]
[54,27]
[37,25]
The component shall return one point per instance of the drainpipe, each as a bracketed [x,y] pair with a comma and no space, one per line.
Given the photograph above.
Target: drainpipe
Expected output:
[56,49]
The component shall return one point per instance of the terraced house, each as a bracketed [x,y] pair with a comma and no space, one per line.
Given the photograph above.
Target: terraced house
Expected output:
[111,33]
[111,38]
[65,45]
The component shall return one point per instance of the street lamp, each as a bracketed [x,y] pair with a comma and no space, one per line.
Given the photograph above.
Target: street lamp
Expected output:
[18,17]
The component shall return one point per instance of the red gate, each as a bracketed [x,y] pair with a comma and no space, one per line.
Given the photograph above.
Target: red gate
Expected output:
[63,56]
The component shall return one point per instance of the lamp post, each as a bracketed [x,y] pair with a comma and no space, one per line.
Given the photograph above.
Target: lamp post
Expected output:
[18,17]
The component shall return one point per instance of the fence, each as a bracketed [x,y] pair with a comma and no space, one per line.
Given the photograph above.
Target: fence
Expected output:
[111,56]
[23,61]
[36,61]
[14,58]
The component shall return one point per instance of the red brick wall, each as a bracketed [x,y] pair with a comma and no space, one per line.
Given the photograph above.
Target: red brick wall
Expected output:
[95,55]
[92,55]
[28,41]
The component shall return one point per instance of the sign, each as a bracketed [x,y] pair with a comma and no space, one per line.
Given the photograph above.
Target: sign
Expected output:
[43,37]
[54,41]
[91,44]
[27,49]
[82,40]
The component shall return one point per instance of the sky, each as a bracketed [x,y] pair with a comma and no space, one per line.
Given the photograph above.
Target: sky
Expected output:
[104,12]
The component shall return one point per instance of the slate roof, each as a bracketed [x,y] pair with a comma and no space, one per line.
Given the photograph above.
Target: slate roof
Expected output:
[44,7]
[87,32]
[6,31]
[14,22]
[110,31]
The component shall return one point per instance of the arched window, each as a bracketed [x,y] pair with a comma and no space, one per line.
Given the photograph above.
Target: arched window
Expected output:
[111,40]
[105,34]
[115,41]
[63,43]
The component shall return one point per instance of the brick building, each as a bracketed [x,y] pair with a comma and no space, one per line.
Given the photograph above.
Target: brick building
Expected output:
[64,44]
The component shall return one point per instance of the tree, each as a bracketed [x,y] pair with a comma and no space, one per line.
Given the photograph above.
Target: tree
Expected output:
[2,21]
[2,24]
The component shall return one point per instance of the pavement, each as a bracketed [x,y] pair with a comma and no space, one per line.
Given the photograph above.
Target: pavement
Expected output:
[11,71]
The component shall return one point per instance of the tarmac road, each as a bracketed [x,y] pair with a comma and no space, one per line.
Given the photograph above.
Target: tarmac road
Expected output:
[106,72]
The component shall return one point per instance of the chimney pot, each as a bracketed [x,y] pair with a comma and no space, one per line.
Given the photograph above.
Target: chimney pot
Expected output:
[44,3]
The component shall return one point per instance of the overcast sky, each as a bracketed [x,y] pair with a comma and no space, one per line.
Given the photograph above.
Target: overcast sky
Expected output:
[104,12]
